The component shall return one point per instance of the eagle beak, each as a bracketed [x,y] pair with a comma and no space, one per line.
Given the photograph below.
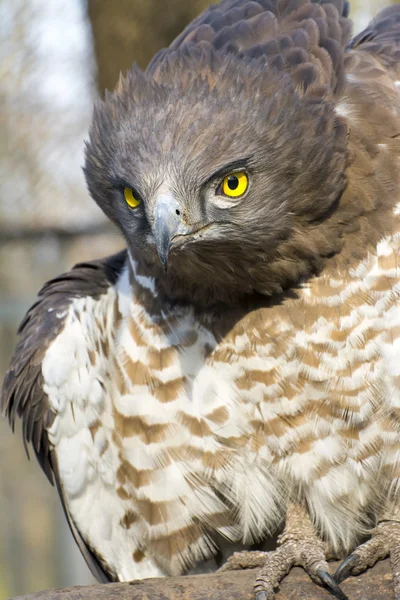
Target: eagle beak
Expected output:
[168,223]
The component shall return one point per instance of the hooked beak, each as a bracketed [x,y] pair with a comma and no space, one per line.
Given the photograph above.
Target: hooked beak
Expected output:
[168,223]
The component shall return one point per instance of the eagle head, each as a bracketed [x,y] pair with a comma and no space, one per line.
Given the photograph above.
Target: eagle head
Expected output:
[222,173]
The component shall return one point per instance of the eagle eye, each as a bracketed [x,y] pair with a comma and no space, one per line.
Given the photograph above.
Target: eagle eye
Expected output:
[130,198]
[235,185]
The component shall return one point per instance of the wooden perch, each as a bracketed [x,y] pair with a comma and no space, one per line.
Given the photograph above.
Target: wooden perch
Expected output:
[376,584]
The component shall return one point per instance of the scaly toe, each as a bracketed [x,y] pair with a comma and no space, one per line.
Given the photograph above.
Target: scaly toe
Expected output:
[365,556]
[244,560]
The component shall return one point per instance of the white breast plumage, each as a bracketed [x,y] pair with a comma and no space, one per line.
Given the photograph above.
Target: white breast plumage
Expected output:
[162,420]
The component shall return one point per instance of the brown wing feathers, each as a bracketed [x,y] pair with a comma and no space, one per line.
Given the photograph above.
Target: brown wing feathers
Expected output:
[383,30]
[382,39]
[22,393]
[257,15]
[305,39]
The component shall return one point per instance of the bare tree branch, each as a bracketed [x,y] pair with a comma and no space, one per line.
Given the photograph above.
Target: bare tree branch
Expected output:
[376,584]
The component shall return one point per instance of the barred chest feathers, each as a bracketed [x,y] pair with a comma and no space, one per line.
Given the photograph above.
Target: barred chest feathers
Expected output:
[208,434]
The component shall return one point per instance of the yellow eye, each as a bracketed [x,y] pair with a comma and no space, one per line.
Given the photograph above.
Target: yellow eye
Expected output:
[130,198]
[235,184]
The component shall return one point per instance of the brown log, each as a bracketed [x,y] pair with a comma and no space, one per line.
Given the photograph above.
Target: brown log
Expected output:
[375,584]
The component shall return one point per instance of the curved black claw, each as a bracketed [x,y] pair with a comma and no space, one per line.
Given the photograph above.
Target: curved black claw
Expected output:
[344,570]
[331,584]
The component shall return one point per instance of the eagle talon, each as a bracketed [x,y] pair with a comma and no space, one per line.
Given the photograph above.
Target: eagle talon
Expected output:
[331,584]
[344,570]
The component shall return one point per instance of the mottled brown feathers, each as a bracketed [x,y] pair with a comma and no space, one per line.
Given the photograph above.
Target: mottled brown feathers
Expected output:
[23,394]
[305,39]
[381,38]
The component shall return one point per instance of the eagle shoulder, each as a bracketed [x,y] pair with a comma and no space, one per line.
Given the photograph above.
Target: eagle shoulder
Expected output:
[381,34]
[23,393]
[373,59]
[304,39]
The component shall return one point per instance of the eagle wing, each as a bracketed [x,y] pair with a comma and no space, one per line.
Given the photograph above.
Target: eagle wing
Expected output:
[305,39]
[381,39]
[23,393]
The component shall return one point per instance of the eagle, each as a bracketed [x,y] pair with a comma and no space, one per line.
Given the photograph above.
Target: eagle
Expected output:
[234,373]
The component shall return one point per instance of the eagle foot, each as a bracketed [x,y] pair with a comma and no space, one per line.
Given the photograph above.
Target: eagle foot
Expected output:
[385,541]
[298,546]
[275,565]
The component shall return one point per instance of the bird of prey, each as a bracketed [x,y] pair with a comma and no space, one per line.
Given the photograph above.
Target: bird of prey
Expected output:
[235,372]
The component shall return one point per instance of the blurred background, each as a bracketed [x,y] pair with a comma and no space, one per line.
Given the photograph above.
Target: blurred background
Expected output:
[56,56]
